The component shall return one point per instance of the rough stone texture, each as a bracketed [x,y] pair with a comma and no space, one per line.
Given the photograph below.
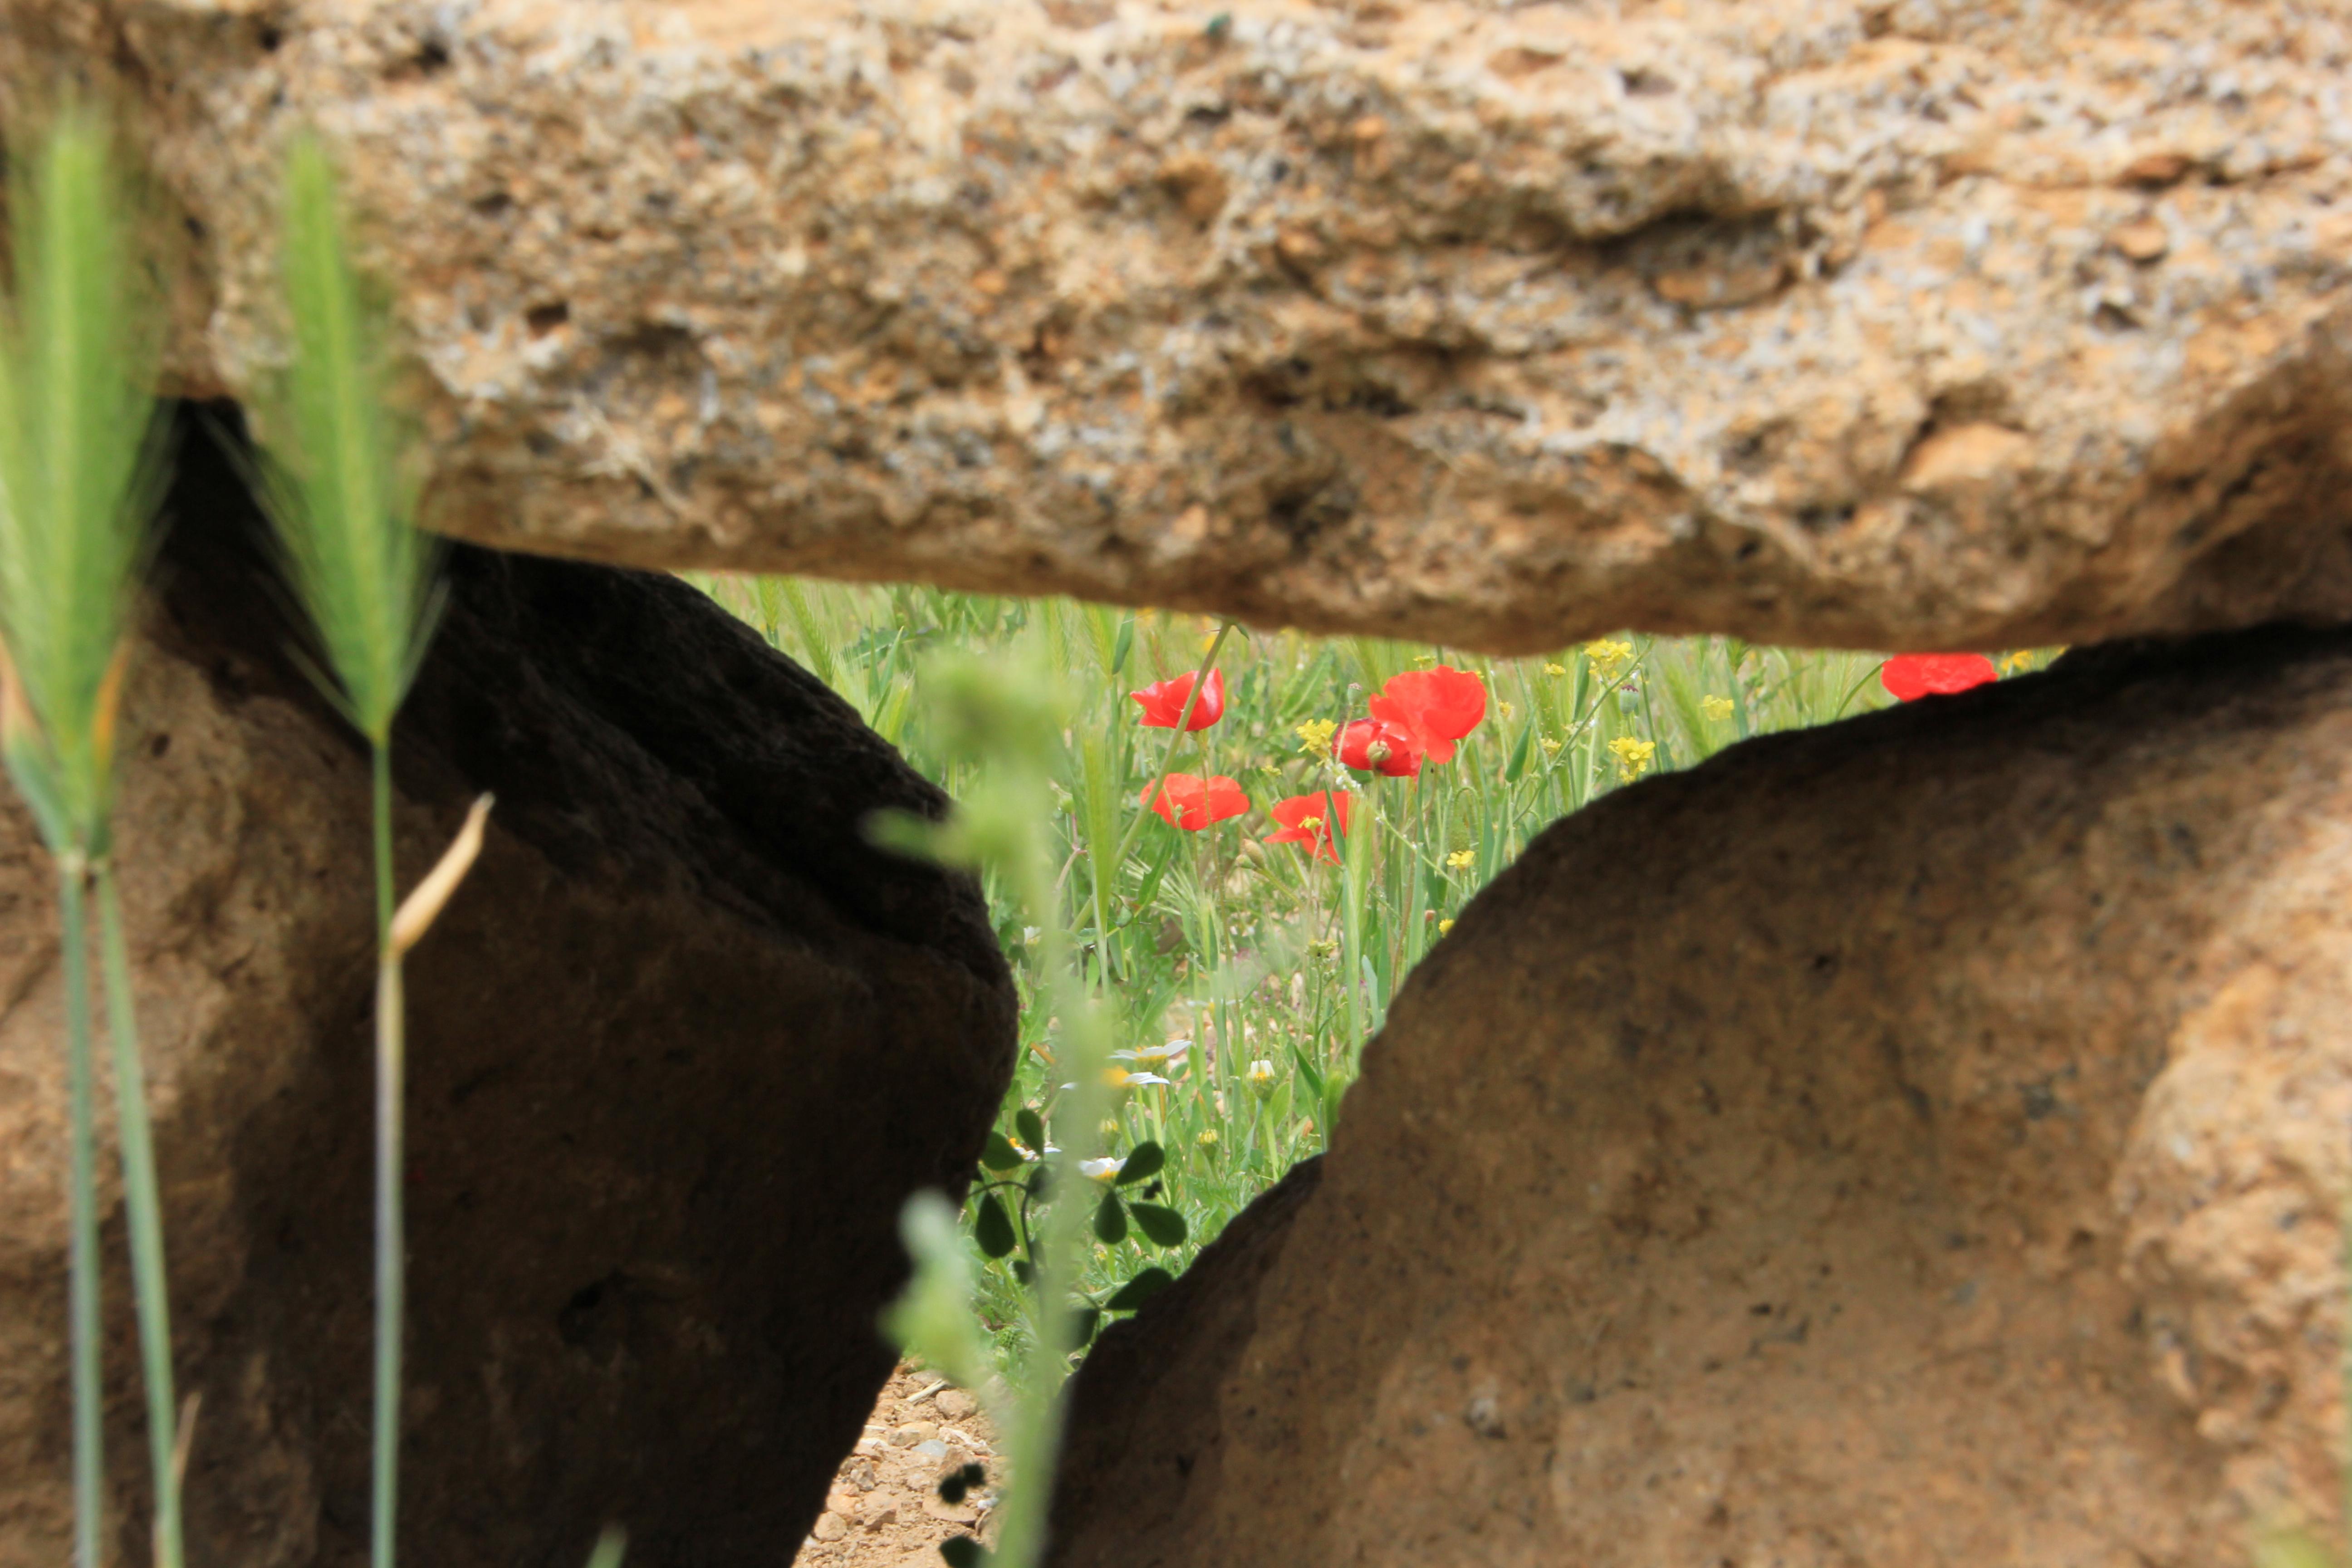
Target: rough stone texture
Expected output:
[1143,1445]
[1951,1180]
[1920,323]
[679,1050]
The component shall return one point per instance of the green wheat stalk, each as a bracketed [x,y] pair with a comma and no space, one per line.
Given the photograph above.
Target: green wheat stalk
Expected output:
[342,500]
[80,465]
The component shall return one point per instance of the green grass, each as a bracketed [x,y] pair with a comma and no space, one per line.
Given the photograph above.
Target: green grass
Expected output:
[1248,949]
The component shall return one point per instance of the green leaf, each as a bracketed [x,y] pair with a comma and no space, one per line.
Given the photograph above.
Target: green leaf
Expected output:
[1089,1324]
[1023,1271]
[610,1548]
[933,1318]
[1000,1154]
[1518,762]
[1032,1128]
[1158,869]
[1147,1284]
[1145,1160]
[963,1551]
[992,1228]
[1122,646]
[1306,1070]
[1163,1225]
[1110,1219]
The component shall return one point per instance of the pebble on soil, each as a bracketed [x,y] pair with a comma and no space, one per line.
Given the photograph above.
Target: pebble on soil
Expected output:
[884,1510]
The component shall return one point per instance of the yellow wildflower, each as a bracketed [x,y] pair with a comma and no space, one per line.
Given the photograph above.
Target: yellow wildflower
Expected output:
[1509,711]
[1461,858]
[1608,656]
[1444,926]
[1551,746]
[1315,736]
[1719,708]
[1632,756]
[1208,1139]
[1555,669]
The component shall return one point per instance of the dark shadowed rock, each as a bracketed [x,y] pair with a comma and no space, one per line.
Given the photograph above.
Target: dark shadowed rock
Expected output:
[679,1050]
[1917,1141]
[1141,1439]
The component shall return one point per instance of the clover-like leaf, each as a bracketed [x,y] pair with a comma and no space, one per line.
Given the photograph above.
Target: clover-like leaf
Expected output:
[1145,1160]
[1110,1219]
[1000,1154]
[1147,1284]
[1163,1225]
[993,1229]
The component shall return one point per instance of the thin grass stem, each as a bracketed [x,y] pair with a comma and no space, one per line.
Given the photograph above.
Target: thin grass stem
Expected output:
[1168,757]
[82,1295]
[142,1201]
[390,1246]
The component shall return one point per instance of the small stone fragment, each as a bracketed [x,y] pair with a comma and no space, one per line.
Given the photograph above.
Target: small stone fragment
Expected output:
[955,1403]
[2143,241]
[830,1526]
[912,1433]
[2157,169]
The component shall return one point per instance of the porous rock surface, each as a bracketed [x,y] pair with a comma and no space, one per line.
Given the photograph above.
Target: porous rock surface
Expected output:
[1949,1177]
[1913,323]
[678,1049]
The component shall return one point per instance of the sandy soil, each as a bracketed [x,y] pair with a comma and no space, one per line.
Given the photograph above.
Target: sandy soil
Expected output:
[885,1508]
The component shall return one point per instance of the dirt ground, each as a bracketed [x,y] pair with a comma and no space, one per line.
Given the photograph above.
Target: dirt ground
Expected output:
[885,1509]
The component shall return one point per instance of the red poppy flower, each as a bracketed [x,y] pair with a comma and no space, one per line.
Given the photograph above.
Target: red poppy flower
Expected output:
[1307,819]
[1163,701]
[1912,676]
[1191,801]
[1373,746]
[1435,707]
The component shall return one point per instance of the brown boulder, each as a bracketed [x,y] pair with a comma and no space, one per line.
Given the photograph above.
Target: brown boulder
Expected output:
[679,1049]
[1478,320]
[1917,1141]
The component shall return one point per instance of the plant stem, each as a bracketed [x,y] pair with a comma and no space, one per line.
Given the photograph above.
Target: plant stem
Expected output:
[1036,1434]
[88,1392]
[391,1259]
[142,1199]
[1168,757]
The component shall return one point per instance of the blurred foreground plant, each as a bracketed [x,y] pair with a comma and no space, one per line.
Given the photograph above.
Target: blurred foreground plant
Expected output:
[340,487]
[80,455]
[1008,720]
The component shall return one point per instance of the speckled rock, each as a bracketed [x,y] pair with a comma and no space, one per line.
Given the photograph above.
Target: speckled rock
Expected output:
[1946,1180]
[1916,324]
[677,1052]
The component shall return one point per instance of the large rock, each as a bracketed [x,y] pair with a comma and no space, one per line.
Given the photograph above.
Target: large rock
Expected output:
[1878,324]
[679,1048]
[1914,1142]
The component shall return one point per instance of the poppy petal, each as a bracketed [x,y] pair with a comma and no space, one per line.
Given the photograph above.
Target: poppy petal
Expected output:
[1911,676]
[1162,701]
